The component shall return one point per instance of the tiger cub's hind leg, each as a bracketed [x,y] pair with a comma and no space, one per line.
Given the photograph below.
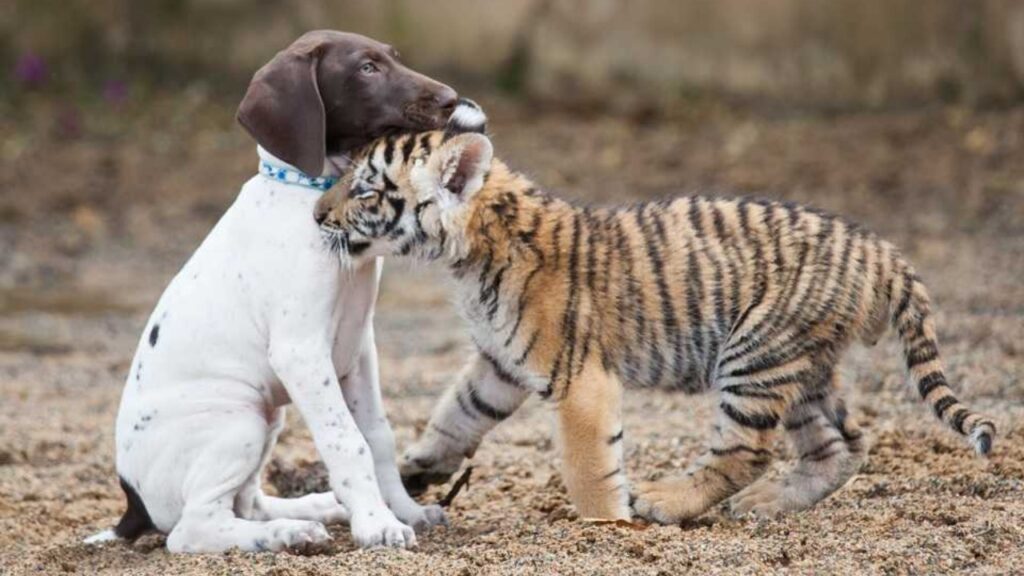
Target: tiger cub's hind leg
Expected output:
[739,454]
[830,450]
[757,390]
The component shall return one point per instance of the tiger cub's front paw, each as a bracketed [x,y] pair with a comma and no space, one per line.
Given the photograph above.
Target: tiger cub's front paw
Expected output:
[422,467]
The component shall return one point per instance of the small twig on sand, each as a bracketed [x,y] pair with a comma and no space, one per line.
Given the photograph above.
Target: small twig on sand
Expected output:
[461,483]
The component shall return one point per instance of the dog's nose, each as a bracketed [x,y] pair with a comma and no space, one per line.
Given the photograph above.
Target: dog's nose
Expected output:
[446,99]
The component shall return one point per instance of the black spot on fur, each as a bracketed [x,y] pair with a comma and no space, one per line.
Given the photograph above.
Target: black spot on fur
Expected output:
[135,521]
[154,335]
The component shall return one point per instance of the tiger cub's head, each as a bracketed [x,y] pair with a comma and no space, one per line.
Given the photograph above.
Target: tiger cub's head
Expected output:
[405,194]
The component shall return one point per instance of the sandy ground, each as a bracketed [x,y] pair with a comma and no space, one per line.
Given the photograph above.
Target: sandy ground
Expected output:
[94,222]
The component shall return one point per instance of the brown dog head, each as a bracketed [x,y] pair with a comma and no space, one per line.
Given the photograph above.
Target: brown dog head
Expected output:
[333,91]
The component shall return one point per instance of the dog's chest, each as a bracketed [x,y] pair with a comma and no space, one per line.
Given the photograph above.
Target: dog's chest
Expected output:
[261,277]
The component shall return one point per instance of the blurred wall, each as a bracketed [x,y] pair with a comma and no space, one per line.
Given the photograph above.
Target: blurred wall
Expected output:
[817,53]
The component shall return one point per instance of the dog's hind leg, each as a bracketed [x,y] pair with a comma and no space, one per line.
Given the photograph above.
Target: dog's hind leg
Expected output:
[210,529]
[252,504]
[227,464]
[321,507]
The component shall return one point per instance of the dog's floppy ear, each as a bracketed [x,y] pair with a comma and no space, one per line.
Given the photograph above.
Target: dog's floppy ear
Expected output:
[283,110]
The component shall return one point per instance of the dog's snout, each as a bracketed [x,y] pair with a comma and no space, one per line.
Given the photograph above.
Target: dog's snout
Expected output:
[446,99]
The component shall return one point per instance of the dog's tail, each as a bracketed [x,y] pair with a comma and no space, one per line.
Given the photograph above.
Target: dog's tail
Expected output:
[134,523]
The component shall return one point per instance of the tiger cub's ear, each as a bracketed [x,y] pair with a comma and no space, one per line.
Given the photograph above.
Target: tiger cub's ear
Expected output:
[457,169]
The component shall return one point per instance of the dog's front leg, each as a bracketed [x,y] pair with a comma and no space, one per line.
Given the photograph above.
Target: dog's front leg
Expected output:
[307,372]
[362,393]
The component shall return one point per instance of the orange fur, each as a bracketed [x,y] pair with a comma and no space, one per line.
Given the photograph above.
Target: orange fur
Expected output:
[755,299]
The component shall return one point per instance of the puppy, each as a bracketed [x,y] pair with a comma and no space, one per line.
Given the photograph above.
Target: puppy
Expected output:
[263,315]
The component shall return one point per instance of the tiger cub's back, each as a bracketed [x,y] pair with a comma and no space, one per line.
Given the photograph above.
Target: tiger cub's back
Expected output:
[695,281]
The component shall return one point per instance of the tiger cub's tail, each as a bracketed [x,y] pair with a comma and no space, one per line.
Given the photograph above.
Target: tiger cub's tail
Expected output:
[911,317]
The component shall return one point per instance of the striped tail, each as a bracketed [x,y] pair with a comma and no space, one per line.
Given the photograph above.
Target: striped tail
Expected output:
[912,319]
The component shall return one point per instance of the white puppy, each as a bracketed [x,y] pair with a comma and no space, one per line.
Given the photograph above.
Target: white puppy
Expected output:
[261,316]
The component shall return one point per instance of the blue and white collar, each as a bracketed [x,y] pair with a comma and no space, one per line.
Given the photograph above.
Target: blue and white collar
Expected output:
[279,171]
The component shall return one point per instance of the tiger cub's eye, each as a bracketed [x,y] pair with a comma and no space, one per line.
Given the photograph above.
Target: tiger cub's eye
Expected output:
[363,193]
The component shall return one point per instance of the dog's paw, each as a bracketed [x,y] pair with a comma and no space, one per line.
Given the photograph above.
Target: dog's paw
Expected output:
[379,528]
[294,534]
[435,515]
[420,517]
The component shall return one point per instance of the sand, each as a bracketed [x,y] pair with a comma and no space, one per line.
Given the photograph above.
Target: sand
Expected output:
[92,228]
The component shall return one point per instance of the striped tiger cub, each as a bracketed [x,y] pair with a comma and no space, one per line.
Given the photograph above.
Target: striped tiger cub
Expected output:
[753,299]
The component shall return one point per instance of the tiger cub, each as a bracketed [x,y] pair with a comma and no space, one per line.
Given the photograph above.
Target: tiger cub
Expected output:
[754,299]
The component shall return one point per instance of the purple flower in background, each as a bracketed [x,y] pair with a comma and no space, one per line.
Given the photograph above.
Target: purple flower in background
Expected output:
[115,92]
[31,70]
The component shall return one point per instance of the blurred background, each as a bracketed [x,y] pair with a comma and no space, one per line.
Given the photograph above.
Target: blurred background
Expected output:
[112,90]
[116,116]
[119,151]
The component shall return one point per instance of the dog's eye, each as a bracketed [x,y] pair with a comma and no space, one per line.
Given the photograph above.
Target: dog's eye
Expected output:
[369,68]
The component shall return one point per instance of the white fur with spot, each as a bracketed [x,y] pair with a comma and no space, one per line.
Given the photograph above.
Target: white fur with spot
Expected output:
[261,316]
